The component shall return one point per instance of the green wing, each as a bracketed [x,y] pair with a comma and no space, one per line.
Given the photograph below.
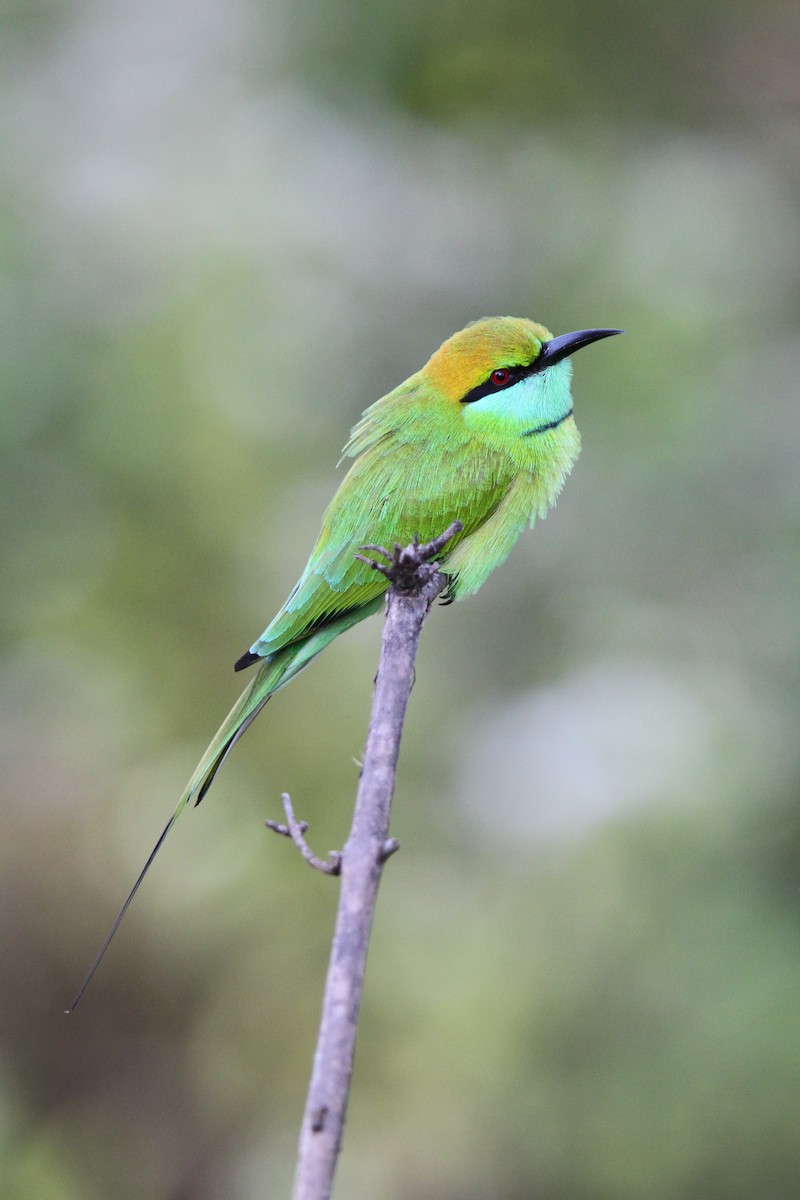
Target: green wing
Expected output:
[384,499]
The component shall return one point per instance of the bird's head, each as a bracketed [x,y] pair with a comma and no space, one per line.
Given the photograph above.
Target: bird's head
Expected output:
[500,379]
[509,372]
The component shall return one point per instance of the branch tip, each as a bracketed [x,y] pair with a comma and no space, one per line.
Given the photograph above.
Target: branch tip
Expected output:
[284,830]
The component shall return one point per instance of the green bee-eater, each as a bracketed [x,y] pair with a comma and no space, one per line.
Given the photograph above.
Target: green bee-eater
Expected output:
[483,435]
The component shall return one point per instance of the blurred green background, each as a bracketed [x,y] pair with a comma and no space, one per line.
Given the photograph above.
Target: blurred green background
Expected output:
[228,226]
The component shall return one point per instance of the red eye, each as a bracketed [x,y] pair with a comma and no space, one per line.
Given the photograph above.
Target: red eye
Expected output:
[500,377]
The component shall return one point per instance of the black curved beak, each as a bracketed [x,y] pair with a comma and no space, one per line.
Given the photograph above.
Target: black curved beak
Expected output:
[561,347]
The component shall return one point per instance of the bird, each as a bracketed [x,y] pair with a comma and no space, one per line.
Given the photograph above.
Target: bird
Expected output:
[483,435]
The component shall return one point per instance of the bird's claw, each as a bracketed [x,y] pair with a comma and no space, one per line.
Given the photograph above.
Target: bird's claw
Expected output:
[408,566]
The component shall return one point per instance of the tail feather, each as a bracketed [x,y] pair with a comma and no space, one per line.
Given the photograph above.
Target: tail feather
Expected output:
[275,672]
[211,772]
[118,919]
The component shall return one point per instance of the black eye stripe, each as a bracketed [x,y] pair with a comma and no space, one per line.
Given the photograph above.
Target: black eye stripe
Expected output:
[489,388]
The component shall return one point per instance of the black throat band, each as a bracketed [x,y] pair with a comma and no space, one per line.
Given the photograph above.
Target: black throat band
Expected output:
[550,425]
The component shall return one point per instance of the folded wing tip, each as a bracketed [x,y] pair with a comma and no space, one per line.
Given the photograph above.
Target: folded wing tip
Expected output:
[247,660]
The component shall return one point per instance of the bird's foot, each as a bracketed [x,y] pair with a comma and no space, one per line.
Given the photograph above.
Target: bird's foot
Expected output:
[408,567]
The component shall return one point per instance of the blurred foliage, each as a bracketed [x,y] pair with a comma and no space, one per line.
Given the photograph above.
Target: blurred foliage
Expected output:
[226,229]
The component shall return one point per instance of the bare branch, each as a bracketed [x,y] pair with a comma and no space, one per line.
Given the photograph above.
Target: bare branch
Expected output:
[415,585]
[295,829]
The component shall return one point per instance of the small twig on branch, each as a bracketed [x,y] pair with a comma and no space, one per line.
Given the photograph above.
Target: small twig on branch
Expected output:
[416,583]
[295,829]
